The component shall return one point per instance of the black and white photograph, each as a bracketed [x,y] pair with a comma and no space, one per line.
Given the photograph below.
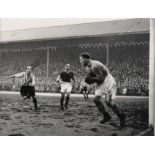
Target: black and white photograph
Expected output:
[77,76]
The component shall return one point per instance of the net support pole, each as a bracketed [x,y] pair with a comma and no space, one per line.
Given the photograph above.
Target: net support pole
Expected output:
[152,73]
[107,55]
[0,51]
[47,62]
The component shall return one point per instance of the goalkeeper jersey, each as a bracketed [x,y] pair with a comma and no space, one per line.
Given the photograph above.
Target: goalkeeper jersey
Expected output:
[98,69]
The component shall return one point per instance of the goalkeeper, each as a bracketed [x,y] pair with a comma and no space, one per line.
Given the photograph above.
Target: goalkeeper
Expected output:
[27,89]
[99,75]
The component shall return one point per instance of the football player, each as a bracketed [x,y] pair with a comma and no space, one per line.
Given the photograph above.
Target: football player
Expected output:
[105,84]
[66,81]
[27,89]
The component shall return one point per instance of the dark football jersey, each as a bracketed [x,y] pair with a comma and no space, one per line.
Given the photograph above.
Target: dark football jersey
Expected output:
[98,67]
[66,76]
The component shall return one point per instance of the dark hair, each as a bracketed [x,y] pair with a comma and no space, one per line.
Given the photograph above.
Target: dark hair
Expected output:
[85,55]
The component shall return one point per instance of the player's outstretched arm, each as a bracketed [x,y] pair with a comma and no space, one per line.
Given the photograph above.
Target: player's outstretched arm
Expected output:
[15,75]
[10,77]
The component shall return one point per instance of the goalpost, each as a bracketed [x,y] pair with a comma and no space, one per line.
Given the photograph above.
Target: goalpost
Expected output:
[0,51]
[152,74]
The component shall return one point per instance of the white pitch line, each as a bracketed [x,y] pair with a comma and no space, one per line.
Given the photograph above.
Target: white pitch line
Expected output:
[145,132]
[72,95]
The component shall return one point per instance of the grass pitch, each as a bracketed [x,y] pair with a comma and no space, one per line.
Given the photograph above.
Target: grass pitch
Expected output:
[17,117]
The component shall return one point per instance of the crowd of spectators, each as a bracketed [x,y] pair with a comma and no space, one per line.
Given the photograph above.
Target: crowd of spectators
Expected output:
[129,66]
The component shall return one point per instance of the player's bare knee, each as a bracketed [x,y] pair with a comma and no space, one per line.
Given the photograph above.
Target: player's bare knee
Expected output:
[108,100]
[62,94]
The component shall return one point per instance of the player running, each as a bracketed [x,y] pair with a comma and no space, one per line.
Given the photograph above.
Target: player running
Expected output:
[66,81]
[27,89]
[104,85]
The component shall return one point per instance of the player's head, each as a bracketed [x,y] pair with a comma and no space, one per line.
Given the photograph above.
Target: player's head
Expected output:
[84,58]
[28,69]
[67,67]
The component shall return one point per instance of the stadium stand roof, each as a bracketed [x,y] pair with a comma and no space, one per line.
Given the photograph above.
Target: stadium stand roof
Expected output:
[115,27]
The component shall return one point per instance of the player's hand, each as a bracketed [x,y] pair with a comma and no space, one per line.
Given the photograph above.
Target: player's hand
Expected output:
[58,82]
[72,83]
[89,80]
